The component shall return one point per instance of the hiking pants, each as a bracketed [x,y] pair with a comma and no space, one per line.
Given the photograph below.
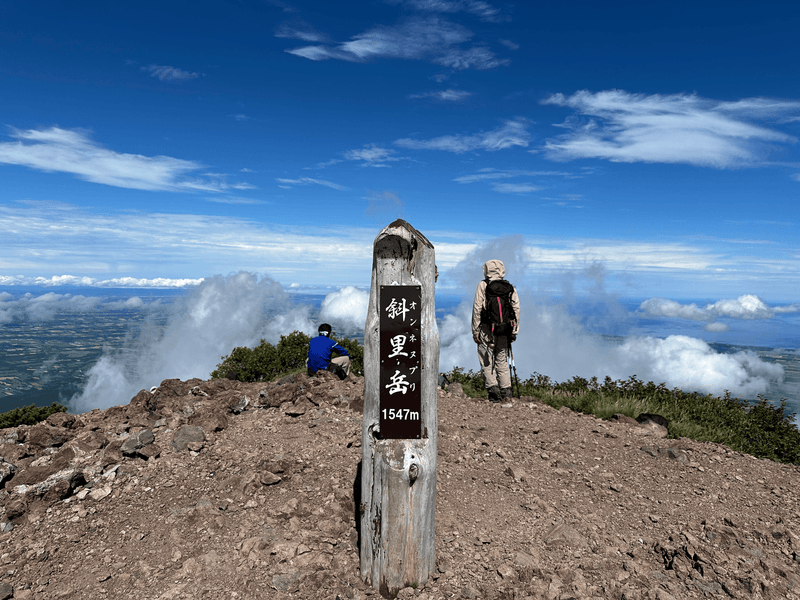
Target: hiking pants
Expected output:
[344,362]
[494,361]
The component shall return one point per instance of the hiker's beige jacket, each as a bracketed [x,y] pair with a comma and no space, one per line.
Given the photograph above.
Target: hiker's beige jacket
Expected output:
[492,269]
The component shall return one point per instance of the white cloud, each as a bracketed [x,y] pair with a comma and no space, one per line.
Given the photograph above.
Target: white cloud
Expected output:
[384,206]
[41,240]
[308,180]
[117,282]
[217,316]
[73,151]
[165,73]
[158,282]
[345,310]
[515,188]
[490,174]
[716,327]
[372,155]
[692,365]
[300,30]
[678,128]
[513,132]
[553,342]
[747,307]
[45,307]
[234,200]
[792,308]
[451,95]
[483,10]
[432,38]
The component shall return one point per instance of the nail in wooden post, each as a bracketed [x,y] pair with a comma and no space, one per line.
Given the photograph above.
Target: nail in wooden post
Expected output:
[399,431]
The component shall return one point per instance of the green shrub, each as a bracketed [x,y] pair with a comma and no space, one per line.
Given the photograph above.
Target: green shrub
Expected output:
[29,415]
[266,362]
[472,383]
[356,352]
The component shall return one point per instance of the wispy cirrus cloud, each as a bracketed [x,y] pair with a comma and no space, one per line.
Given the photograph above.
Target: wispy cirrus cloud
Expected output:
[307,181]
[452,95]
[509,44]
[490,174]
[478,8]
[74,151]
[372,155]
[419,38]
[515,188]
[167,73]
[677,128]
[298,29]
[234,200]
[384,206]
[493,175]
[46,239]
[513,132]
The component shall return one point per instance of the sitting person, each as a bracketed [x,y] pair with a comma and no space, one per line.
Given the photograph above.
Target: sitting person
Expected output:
[319,354]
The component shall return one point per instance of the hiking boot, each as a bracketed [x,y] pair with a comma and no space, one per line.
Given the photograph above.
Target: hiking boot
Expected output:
[337,370]
[494,394]
[505,392]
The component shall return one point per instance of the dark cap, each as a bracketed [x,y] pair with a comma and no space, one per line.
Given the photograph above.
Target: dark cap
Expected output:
[325,329]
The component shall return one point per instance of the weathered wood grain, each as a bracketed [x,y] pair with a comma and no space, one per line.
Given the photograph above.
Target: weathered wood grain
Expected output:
[398,477]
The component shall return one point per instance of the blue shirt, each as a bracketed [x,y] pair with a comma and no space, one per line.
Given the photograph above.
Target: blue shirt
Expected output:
[319,352]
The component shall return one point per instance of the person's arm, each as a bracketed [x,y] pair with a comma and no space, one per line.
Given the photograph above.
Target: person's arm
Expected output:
[517,311]
[337,348]
[477,309]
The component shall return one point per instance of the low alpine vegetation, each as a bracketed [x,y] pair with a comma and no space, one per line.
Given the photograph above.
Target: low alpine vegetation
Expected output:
[759,428]
[29,415]
[265,362]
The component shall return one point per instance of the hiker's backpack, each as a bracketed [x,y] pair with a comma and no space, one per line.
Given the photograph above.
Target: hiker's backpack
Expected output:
[498,311]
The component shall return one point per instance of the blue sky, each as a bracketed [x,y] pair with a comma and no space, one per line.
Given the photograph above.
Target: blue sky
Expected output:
[159,143]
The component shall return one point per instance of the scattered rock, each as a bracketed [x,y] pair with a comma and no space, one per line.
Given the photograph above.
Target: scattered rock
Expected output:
[564,535]
[187,435]
[7,471]
[45,436]
[456,389]
[287,582]
[240,405]
[652,425]
[516,472]
[133,444]
[61,419]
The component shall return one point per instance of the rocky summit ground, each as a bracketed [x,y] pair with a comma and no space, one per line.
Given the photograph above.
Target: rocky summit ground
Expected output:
[225,490]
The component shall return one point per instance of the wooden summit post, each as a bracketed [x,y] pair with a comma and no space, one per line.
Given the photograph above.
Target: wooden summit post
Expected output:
[400,429]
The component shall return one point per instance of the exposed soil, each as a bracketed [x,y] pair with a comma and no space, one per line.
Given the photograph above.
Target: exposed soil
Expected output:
[186,493]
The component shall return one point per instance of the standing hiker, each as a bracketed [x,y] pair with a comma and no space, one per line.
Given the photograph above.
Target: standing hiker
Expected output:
[319,354]
[495,323]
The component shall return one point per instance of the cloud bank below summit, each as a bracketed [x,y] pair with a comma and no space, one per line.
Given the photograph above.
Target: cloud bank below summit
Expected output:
[554,341]
[220,314]
[746,306]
